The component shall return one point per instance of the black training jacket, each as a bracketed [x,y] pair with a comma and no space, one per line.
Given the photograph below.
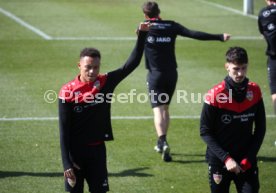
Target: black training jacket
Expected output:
[230,128]
[267,27]
[84,108]
[160,43]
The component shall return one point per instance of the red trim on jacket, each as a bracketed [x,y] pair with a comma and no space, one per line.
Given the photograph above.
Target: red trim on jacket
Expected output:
[78,92]
[221,98]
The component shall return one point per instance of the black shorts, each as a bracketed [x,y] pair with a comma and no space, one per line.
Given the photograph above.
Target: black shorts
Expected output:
[161,86]
[271,71]
[220,180]
[92,161]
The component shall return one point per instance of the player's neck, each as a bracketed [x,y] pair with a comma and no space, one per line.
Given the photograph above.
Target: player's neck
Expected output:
[154,18]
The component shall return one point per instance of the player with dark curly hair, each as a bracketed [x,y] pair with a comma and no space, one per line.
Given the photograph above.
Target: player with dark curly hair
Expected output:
[233,126]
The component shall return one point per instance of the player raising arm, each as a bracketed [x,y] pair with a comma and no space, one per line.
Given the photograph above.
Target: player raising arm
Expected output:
[162,67]
[85,120]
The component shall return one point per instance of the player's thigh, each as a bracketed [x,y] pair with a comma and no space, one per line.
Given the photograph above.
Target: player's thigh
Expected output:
[248,182]
[96,170]
[271,70]
[161,86]
[219,179]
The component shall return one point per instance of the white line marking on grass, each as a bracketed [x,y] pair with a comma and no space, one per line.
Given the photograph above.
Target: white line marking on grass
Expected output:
[151,117]
[113,117]
[47,37]
[247,37]
[228,9]
[97,38]
[29,119]
[25,24]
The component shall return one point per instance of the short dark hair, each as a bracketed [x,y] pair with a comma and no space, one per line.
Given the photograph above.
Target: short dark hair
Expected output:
[236,55]
[151,9]
[91,52]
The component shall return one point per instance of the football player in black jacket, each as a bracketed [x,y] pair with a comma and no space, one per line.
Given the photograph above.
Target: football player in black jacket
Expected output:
[233,126]
[267,27]
[85,118]
[161,64]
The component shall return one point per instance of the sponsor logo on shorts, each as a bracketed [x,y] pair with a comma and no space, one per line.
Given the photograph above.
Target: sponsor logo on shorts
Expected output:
[105,183]
[271,27]
[217,178]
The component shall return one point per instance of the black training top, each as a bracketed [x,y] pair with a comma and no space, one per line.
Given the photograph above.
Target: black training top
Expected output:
[267,27]
[232,128]
[160,43]
[84,108]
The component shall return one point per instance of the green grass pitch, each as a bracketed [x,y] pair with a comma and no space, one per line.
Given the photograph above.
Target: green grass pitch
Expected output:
[31,64]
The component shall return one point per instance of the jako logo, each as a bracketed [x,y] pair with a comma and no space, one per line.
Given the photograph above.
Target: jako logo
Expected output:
[271,27]
[266,13]
[163,39]
[151,39]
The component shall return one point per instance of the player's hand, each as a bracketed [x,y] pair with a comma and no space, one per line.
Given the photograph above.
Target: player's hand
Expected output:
[69,173]
[144,26]
[226,37]
[232,166]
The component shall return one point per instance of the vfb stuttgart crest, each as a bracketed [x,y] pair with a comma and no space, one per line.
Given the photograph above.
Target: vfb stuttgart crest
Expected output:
[249,95]
[217,178]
